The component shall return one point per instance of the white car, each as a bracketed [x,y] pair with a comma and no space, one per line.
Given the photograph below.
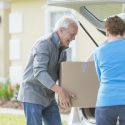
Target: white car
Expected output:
[92,12]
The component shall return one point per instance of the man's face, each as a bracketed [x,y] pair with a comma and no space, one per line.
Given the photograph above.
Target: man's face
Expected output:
[67,35]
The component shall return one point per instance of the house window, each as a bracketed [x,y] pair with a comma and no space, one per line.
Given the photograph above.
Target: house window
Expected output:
[52,15]
[103,11]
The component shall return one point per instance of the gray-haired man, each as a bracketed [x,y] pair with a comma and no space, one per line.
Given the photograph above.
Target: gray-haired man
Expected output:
[41,73]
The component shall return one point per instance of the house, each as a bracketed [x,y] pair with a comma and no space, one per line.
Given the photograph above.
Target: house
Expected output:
[22,22]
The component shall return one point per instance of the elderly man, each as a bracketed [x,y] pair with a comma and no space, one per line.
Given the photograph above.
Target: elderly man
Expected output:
[41,73]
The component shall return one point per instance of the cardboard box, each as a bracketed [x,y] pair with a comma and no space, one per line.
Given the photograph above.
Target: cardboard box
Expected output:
[80,78]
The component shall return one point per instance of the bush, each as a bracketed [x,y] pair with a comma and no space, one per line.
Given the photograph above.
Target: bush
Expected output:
[6,91]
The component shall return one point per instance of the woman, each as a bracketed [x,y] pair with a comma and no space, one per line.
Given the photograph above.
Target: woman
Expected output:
[110,66]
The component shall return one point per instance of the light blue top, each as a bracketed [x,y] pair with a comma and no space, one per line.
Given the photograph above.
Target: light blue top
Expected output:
[110,66]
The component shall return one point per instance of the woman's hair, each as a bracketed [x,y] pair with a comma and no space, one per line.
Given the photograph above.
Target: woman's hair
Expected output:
[115,25]
[64,21]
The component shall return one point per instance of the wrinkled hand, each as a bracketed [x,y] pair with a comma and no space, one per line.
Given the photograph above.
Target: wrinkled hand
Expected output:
[66,98]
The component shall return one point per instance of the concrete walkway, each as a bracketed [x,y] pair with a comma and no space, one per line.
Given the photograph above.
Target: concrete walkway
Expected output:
[11,111]
[21,112]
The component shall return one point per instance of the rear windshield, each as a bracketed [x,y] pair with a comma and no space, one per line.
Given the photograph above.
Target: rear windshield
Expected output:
[101,12]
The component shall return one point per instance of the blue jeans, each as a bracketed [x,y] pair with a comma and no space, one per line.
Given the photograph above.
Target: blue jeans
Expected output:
[36,113]
[108,115]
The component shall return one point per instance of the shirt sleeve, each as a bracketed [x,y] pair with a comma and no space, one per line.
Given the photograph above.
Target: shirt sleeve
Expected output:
[41,59]
[97,66]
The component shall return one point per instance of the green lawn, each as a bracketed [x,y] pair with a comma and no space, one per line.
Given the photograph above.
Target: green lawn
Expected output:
[7,119]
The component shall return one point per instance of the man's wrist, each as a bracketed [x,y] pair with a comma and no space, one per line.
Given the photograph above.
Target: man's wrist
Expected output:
[56,89]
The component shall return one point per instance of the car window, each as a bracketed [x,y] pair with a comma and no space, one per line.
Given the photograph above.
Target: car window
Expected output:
[101,12]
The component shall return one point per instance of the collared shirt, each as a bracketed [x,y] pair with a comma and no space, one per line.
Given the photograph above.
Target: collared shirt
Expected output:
[55,39]
[42,71]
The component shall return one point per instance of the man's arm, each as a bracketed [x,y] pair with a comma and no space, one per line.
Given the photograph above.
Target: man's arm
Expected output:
[40,64]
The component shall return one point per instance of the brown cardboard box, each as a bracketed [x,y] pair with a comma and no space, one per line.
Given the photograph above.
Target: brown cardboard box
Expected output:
[80,78]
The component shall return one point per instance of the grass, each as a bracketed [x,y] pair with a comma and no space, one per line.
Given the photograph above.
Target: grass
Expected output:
[7,119]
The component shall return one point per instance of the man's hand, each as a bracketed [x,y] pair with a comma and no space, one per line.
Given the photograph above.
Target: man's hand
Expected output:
[65,97]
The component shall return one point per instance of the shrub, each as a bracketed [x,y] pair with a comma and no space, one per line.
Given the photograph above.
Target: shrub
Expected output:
[6,90]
